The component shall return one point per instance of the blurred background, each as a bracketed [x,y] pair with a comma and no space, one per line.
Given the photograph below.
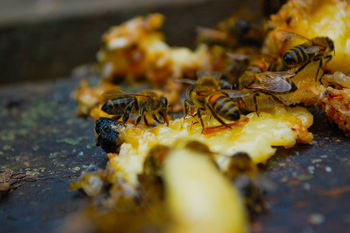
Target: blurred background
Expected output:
[46,39]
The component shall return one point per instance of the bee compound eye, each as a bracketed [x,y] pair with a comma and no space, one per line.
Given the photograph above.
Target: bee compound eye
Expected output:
[331,44]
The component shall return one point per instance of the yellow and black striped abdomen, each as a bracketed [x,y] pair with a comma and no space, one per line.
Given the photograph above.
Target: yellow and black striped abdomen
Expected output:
[222,105]
[118,105]
[257,67]
[296,56]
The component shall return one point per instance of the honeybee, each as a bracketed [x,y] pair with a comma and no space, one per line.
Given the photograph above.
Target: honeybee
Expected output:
[154,160]
[240,29]
[122,104]
[269,83]
[246,29]
[263,63]
[240,163]
[249,182]
[314,49]
[206,95]
[256,64]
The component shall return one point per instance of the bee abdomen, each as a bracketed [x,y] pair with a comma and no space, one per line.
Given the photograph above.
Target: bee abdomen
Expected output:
[224,106]
[117,106]
[257,68]
[230,111]
[295,56]
[289,58]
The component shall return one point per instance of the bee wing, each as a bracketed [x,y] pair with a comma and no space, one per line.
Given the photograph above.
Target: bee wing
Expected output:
[111,94]
[290,35]
[281,74]
[203,73]
[186,81]
[238,56]
[312,49]
[273,81]
[209,32]
[236,93]
[264,183]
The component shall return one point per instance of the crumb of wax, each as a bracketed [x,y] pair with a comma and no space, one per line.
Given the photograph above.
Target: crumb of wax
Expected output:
[258,136]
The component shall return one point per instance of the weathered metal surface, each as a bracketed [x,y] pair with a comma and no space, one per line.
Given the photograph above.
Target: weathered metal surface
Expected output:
[42,136]
[313,184]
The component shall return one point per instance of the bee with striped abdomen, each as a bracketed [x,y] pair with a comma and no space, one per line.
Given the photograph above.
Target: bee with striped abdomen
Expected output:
[122,104]
[263,63]
[258,64]
[314,49]
[205,95]
[269,83]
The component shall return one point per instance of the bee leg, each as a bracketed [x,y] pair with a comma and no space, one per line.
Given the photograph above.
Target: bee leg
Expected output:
[200,118]
[327,59]
[256,103]
[145,120]
[319,66]
[186,106]
[138,120]
[156,119]
[301,68]
[127,112]
[276,99]
[216,117]
[142,111]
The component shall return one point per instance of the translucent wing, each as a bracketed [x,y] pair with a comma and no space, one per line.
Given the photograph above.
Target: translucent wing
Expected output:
[282,74]
[236,93]
[186,81]
[111,94]
[213,74]
[290,35]
[273,81]
[312,49]
[238,56]
[211,33]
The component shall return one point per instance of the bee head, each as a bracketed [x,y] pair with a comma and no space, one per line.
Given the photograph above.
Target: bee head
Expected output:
[164,102]
[164,109]
[330,44]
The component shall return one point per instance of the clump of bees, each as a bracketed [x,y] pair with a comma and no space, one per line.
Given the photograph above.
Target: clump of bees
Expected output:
[239,67]
[213,94]
[142,104]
